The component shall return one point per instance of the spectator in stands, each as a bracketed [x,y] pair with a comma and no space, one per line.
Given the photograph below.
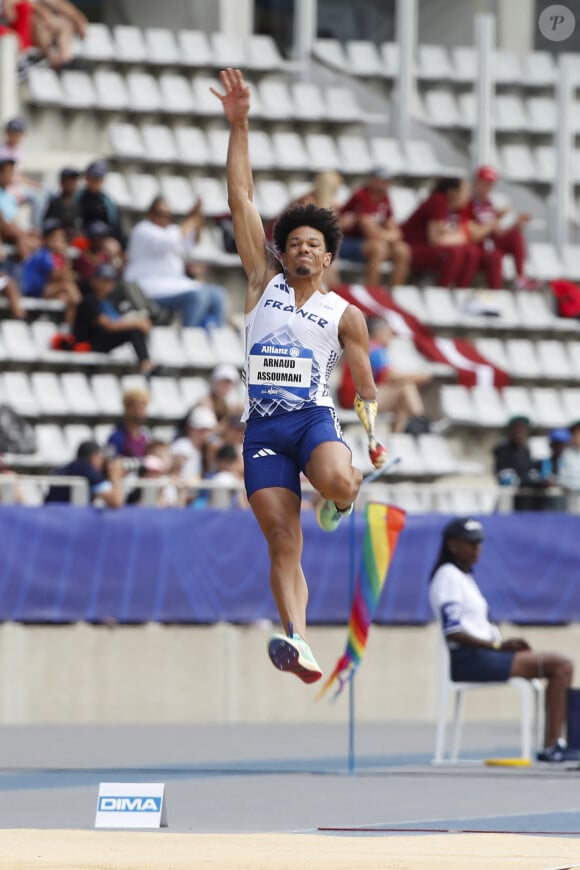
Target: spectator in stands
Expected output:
[47,272]
[477,651]
[101,248]
[104,476]
[569,464]
[24,189]
[228,472]
[99,324]
[9,290]
[131,437]
[24,241]
[371,234]
[224,392]
[155,465]
[514,466]
[158,261]
[93,204]
[188,450]
[485,230]
[55,23]
[439,240]
[398,393]
[62,206]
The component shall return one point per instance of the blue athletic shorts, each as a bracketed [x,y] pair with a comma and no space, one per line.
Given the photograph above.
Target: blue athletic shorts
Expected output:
[277,449]
[480,665]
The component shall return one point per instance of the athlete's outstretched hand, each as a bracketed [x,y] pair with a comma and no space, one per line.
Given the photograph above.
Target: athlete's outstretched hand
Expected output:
[236,100]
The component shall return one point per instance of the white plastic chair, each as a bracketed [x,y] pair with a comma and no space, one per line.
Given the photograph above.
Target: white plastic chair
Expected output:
[531,717]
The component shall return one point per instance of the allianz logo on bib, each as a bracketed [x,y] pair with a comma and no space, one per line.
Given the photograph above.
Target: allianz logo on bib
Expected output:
[120,804]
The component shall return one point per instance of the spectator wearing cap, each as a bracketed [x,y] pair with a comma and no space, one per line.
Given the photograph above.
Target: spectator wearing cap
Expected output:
[94,204]
[371,234]
[62,205]
[159,262]
[224,392]
[477,651]
[100,325]
[484,221]
[47,272]
[101,248]
[131,437]
[11,231]
[439,238]
[189,450]
[569,465]
[104,477]
[515,467]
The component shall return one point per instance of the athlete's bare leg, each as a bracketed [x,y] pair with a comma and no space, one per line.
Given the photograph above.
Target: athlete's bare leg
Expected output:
[330,471]
[277,511]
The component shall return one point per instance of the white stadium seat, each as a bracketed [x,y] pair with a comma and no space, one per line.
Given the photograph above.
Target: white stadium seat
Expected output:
[543,261]
[261,151]
[275,99]
[440,305]
[125,140]
[205,102]
[192,146]
[194,48]
[107,393]
[262,53]
[289,151]
[198,347]
[144,94]
[178,192]
[518,403]
[517,162]
[523,359]
[159,143]
[510,113]
[116,187]
[456,404]
[354,153]
[330,52]
[542,114]
[98,45]
[307,101]
[363,58]
[45,87]
[507,68]
[228,345]
[162,47]
[228,50]
[549,411]
[130,45]
[434,63]
[193,390]
[464,63]
[111,90]
[441,108]
[420,159]
[52,448]
[571,403]
[545,159]
[143,189]
[489,407]
[555,360]
[74,434]
[272,196]
[78,394]
[212,192]
[166,399]
[49,394]
[18,340]
[176,94]
[166,348]
[217,139]
[539,69]
[18,393]
[341,104]
[322,152]
[387,153]
[390,58]
[78,90]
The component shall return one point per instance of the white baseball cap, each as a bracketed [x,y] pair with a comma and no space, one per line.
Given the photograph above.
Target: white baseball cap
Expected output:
[225,372]
[202,417]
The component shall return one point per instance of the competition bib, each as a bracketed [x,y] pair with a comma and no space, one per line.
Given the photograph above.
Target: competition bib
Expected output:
[278,370]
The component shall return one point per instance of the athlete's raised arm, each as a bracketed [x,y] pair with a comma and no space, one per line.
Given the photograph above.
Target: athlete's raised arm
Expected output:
[248,227]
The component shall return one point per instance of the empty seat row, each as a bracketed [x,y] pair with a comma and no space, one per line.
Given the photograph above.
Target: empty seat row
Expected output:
[435,63]
[73,394]
[176,348]
[519,162]
[440,107]
[283,150]
[546,407]
[273,99]
[188,48]
[509,310]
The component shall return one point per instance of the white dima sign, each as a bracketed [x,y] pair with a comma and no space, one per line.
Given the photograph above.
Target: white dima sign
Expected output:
[131,805]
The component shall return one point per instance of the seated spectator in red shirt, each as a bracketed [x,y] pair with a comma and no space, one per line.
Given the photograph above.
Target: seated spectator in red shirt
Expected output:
[101,248]
[371,234]
[439,241]
[47,272]
[131,437]
[397,392]
[484,227]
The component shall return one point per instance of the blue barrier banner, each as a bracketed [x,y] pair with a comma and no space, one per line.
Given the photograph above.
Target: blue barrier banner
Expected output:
[65,564]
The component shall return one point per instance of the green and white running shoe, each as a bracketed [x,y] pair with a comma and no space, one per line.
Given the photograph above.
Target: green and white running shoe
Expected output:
[293,654]
[329,516]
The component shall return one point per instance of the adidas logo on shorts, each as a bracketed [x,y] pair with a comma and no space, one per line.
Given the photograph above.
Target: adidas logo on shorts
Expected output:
[265,451]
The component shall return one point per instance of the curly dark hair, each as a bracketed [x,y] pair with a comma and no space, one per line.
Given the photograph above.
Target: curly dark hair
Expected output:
[322,219]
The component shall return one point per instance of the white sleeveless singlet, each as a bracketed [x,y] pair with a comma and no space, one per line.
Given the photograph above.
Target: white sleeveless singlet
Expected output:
[290,353]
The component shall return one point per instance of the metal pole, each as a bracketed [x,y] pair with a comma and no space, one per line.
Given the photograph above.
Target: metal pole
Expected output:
[305,26]
[564,148]
[483,129]
[406,33]
[351,585]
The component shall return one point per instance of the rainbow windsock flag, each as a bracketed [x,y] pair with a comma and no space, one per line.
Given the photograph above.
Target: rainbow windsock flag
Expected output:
[383,525]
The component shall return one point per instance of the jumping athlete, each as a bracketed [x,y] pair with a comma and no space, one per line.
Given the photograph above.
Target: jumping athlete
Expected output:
[295,333]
